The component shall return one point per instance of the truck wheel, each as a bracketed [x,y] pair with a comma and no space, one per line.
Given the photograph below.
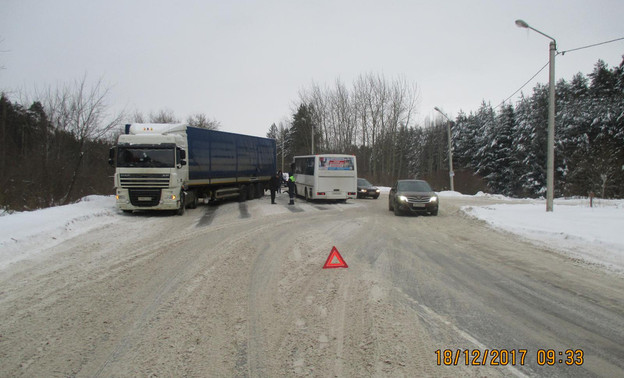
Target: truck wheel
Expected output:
[182,207]
[251,192]
[194,201]
[242,194]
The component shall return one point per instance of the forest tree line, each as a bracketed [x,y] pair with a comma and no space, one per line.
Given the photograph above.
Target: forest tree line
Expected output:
[497,149]
[55,150]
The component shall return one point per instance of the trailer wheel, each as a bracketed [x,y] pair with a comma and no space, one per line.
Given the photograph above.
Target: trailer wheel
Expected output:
[242,193]
[194,201]
[251,192]
[259,190]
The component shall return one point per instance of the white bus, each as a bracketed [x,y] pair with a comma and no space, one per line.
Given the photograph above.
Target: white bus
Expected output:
[329,177]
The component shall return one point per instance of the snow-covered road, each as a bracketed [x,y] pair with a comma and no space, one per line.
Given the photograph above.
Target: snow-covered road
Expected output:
[238,289]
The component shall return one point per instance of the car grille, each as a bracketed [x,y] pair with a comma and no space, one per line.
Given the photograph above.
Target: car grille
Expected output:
[144,180]
[418,199]
[144,197]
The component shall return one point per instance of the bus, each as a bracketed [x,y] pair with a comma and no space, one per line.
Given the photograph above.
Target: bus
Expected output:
[328,177]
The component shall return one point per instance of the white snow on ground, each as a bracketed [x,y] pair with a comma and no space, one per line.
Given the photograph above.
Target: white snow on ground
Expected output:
[25,234]
[595,235]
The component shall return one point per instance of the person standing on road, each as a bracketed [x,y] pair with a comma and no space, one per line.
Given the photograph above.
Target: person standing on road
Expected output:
[281,179]
[274,185]
[291,189]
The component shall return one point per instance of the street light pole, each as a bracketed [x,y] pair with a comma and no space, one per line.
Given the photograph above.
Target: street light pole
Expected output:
[550,164]
[450,148]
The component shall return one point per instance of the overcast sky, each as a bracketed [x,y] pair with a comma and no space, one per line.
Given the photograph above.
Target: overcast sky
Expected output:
[244,63]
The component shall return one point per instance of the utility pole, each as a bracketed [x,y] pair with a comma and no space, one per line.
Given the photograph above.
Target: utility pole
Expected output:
[450,147]
[550,162]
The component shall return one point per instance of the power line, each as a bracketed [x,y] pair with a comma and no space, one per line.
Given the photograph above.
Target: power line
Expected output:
[588,46]
[558,53]
[523,85]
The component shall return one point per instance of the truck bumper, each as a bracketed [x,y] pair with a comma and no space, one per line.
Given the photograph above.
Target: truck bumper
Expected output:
[147,199]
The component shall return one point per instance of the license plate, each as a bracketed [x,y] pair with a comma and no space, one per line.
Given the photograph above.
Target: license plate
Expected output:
[418,205]
[145,198]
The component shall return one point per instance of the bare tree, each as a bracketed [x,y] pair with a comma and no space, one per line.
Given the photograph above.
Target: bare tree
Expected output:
[81,110]
[163,116]
[2,67]
[200,120]
[374,118]
[137,117]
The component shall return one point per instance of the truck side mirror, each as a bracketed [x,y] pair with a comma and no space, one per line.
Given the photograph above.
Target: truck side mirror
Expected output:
[182,157]
[111,157]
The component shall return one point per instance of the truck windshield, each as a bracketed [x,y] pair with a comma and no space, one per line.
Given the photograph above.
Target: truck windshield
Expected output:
[146,157]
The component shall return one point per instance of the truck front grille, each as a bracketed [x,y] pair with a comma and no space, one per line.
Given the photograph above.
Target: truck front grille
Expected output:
[144,197]
[144,180]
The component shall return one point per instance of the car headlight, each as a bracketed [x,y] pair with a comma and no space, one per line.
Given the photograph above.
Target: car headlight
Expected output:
[402,198]
[433,199]
[377,190]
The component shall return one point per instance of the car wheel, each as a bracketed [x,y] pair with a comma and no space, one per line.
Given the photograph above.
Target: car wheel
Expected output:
[434,212]
[397,212]
[375,197]
[390,207]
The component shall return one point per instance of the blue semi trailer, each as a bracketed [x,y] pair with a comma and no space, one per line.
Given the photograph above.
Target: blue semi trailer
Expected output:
[174,166]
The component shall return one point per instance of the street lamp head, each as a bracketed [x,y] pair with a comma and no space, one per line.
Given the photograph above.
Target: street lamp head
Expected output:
[521,24]
[436,109]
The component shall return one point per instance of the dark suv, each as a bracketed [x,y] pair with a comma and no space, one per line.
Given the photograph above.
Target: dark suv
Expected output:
[366,189]
[414,196]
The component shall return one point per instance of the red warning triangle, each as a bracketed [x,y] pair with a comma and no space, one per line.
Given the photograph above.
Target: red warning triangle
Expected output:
[334,260]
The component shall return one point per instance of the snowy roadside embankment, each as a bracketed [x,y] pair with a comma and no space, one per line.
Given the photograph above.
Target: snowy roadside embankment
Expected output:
[24,234]
[592,234]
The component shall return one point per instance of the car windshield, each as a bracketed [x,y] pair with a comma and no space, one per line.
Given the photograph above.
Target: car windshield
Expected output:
[364,182]
[146,157]
[413,186]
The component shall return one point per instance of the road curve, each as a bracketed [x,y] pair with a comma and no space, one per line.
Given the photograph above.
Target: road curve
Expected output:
[239,290]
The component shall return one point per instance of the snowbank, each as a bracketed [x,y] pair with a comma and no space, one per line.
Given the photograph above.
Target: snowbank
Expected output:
[24,234]
[591,234]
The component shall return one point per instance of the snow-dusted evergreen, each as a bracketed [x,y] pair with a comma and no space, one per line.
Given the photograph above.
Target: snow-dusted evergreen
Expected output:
[507,146]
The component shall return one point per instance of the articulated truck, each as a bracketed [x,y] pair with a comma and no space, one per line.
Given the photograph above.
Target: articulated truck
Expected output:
[174,166]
